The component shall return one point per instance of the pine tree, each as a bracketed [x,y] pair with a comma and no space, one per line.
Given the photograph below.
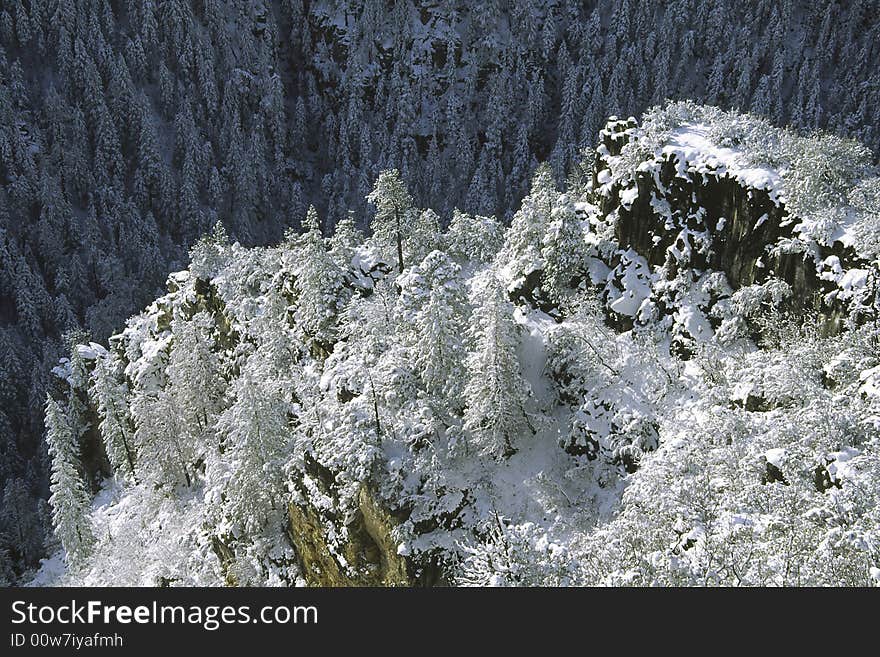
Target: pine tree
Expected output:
[195,379]
[521,253]
[19,521]
[394,213]
[110,398]
[319,284]
[432,309]
[7,570]
[208,255]
[762,101]
[470,238]
[254,430]
[346,238]
[522,165]
[422,237]
[69,498]
[496,392]
[164,451]
[563,249]
[566,140]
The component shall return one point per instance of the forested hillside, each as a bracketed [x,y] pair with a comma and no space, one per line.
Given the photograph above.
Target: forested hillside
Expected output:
[130,127]
[666,374]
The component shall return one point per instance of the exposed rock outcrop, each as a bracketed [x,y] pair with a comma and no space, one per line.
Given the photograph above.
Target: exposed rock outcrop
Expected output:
[679,215]
[356,550]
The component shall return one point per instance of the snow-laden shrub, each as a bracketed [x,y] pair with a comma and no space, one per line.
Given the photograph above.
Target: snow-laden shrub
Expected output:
[517,555]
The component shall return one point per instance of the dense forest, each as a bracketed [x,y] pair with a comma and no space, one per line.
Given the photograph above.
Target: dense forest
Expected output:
[131,127]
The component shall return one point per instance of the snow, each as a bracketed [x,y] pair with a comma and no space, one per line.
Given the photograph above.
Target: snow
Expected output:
[870,382]
[635,282]
[50,571]
[742,390]
[842,463]
[63,370]
[628,303]
[775,456]
[367,266]
[598,270]
[628,196]
[147,370]
[848,283]
[694,321]
[846,237]
[831,269]
[533,351]
[694,150]
[91,351]
[179,277]
[853,279]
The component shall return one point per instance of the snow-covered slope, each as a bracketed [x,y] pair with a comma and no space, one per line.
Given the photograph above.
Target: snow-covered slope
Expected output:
[610,391]
[129,127]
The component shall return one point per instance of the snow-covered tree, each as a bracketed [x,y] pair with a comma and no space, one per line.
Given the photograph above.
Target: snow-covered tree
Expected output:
[254,430]
[70,499]
[496,392]
[165,451]
[195,378]
[423,237]
[110,396]
[521,254]
[395,214]
[563,249]
[345,239]
[433,309]
[208,253]
[472,238]
[319,283]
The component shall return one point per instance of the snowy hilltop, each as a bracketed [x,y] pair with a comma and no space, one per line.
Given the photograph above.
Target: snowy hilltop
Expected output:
[130,127]
[666,374]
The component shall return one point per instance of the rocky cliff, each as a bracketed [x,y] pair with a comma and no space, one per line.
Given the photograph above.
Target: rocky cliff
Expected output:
[687,198]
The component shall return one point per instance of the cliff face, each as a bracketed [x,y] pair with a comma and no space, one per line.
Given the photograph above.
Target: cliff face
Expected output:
[676,215]
[364,552]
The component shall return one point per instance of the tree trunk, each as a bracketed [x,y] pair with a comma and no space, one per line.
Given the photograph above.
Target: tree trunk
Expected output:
[399,241]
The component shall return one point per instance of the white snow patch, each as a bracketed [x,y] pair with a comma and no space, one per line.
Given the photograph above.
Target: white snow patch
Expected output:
[870,382]
[634,287]
[694,150]
[694,321]
[91,351]
[533,351]
[742,390]
[775,456]
[50,571]
[854,279]
[628,196]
